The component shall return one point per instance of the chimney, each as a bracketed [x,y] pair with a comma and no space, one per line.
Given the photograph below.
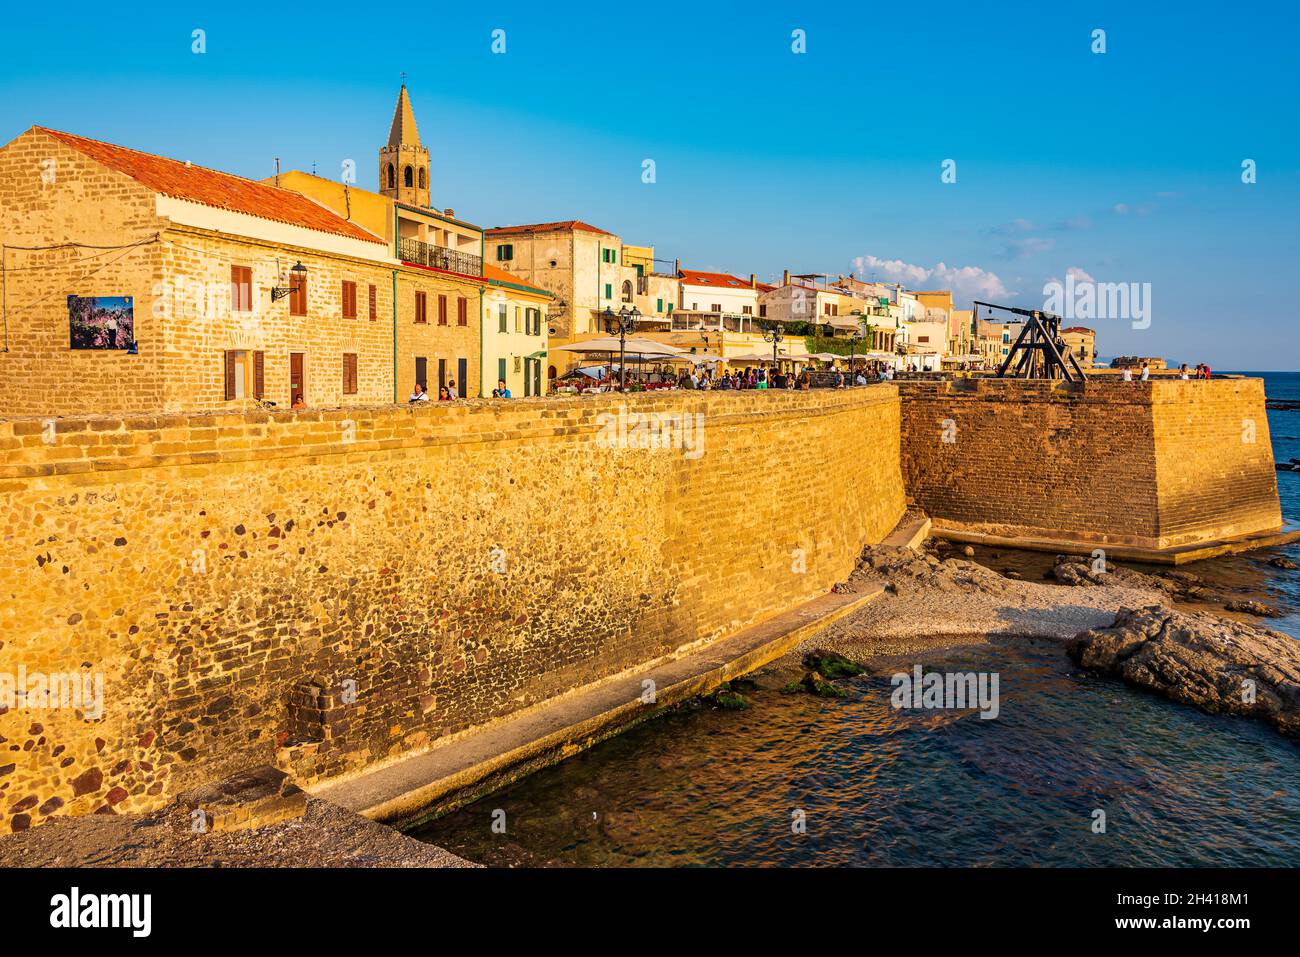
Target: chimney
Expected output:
[753,281]
[449,213]
[785,278]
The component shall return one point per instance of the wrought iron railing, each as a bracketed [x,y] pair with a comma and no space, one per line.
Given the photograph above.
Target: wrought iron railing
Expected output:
[439,257]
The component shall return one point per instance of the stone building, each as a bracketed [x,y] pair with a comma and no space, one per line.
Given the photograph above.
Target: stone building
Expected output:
[1083,343]
[137,283]
[589,270]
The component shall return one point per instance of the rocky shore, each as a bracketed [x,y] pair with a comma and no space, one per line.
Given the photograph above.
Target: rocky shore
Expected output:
[1114,621]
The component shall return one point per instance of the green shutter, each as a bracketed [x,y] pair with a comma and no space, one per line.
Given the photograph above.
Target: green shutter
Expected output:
[660,306]
[501,368]
[609,291]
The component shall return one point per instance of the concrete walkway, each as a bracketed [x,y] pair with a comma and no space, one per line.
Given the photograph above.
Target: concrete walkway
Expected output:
[481,760]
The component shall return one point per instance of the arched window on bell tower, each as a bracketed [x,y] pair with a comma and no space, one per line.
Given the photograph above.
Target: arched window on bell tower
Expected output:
[408,177]
[423,179]
[392,177]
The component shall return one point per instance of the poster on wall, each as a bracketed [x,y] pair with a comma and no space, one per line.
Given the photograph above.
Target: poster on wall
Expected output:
[101,322]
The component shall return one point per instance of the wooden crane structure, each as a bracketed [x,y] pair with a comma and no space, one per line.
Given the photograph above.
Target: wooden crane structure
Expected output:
[1039,352]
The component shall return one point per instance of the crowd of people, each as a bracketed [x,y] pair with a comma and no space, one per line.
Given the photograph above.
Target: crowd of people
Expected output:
[1202,371]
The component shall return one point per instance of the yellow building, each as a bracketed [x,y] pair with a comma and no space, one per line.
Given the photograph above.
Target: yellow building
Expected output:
[438,284]
[514,334]
[1083,343]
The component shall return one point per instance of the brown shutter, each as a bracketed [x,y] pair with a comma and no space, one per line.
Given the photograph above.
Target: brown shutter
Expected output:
[462,316]
[230,375]
[349,373]
[442,310]
[259,375]
[374,305]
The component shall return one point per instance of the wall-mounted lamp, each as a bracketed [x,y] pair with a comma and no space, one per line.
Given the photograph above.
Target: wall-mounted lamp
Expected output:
[297,276]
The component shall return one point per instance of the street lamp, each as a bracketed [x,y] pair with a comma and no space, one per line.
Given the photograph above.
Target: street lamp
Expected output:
[298,273]
[774,336]
[623,321]
[853,342]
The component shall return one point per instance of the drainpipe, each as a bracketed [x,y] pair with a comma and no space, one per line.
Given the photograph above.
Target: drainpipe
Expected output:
[394,336]
[482,331]
[395,256]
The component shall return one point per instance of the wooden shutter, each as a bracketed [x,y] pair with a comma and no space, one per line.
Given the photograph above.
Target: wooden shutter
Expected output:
[349,373]
[442,310]
[374,305]
[349,299]
[421,315]
[462,314]
[298,295]
[259,375]
[230,375]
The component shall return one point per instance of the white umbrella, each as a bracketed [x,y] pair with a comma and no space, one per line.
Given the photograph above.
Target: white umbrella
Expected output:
[637,345]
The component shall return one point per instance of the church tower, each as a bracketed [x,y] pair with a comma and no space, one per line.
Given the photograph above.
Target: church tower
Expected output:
[404,163]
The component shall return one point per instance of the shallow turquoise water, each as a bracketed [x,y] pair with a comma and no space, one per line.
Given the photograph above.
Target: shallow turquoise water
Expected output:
[879,786]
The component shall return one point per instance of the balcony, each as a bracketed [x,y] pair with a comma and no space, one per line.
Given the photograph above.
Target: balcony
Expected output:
[684,320]
[439,257]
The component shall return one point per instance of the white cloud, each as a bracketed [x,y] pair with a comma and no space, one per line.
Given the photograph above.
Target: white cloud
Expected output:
[966,282]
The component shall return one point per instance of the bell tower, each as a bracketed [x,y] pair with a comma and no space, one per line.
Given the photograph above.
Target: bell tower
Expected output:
[404,163]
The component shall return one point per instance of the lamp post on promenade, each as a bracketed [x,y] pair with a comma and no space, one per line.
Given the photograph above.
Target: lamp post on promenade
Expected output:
[774,336]
[622,322]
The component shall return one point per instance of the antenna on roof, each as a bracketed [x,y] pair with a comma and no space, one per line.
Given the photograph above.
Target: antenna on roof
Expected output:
[277,171]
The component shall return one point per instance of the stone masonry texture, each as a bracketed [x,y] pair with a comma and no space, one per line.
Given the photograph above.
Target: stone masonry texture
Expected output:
[1157,464]
[322,591]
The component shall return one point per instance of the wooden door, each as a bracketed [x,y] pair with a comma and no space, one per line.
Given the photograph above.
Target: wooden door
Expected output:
[297,376]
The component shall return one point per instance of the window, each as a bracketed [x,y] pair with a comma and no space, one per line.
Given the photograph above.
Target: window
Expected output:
[922,338]
[349,299]
[505,252]
[462,312]
[241,289]
[374,304]
[747,310]
[245,374]
[609,291]
[627,290]
[762,310]
[297,295]
[392,177]
[442,310]
[421,308]
[501,317]
[422,181]
[659,305]
[408,177]
[518,319]
[716,307]
[422,371]
[609,255]
[349,373]
[501,368]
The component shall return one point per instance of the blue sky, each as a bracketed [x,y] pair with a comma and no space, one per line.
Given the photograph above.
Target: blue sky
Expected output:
[1125,166]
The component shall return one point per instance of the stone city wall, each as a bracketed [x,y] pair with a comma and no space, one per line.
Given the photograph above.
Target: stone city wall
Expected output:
[329,590]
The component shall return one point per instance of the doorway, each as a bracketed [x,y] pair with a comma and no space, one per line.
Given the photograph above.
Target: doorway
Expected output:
[297,377]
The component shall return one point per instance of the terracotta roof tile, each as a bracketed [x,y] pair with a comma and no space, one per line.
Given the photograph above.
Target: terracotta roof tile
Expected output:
[721,280]
[212,188]
[493,274]
[561,226]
